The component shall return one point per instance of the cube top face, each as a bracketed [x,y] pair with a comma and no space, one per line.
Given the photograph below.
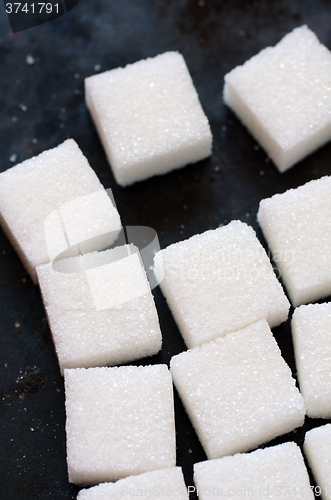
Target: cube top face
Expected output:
[153,483]
[311,332]
[238,391]
[120,421]
[317,448]
[256,474]
[32,190]
[296,225]
[218,282]
[148,114]
[287,90]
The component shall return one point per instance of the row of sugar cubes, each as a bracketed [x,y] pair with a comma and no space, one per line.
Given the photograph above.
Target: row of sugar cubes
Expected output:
[150,120]
[237,389]
[236,285]
[100,310]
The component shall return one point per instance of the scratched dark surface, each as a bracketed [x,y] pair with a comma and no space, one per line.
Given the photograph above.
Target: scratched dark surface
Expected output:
[43,104]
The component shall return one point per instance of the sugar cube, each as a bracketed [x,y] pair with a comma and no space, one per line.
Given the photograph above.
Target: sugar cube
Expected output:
[277,471]
[283,96]
[218,282]
[120,421]
[165,483]
[31,194]
[311,332]
[296,225]
[149,117]
[317,448]
[238,391]
[100,309]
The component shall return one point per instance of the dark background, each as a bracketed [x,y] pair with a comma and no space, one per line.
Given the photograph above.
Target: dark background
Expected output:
[43,104]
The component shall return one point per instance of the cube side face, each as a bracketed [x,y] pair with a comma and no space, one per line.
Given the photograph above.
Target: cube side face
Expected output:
[66,290]
[311,332]
[250,118]
[109,337]
[238,391]
[220,281]
[277,96]
[120,421]
[149,117]
[178,157]
[41,184]
[29,264]
[262,470]
[296,227]
[317,446]
[156,482]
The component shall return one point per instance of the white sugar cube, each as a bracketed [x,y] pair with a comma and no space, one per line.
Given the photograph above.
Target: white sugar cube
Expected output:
[120,421]
[218,282]
[317,448]
[277,471]
[100,309]
[296,225]
[238,391]
[31,194]
[311,332]
[283,96]
[166,483]
[149,117]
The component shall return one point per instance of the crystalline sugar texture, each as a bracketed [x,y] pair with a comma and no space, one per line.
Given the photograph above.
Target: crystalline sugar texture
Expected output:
[317,448]
[112,284]
[167,483]
[277,471]
[238,391]
[31,195]
[311,332]
[100,309]
[218,282]
[120,422]
[92,222]
[296,225]
[64,285]
[149,117]
[283,96]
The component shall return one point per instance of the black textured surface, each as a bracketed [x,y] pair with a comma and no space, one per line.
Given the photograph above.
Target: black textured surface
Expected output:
[214,37]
